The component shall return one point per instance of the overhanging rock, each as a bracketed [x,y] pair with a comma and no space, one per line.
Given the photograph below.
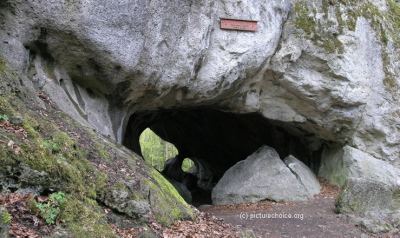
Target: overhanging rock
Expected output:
[329,73]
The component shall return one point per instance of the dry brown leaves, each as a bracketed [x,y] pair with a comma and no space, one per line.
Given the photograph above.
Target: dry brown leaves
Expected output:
[205,225]
[20,132]
[248,206]
[14,201]
[126,233]
[19,230]
[16,205]
[45,98]
[328,189]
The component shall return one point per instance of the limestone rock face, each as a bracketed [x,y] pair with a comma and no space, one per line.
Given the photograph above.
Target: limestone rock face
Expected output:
[108,59]
[329,72]
[340,164]
[324,74]
[264,176]
[143,55]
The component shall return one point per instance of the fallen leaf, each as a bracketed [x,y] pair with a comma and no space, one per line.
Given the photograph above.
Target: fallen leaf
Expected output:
[10,143]
[17,149]
[42,199]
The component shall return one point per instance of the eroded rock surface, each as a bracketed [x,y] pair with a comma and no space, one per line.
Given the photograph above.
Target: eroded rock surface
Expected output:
[264,176]
[303,174]
[330,70]
[364,196]
[340,164]
[321,73]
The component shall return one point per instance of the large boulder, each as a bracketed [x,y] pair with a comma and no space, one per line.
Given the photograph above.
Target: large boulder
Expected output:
[338,164]
[264,176]
[365,196]
[303,174]
[369,185]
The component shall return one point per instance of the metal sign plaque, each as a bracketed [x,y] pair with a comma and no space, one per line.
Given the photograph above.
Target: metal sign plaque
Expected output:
[238,24]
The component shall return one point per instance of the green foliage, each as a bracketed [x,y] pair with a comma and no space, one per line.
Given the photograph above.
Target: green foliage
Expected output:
[187,164]
[155,150]
[394,14]
[4,117]
[5,218]
[51,209]
[51,145]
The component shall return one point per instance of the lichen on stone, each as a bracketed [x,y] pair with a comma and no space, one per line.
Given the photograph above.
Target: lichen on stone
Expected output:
[315,29]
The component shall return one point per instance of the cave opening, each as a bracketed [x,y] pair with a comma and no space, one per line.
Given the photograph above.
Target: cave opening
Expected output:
[216,140]
[156,151]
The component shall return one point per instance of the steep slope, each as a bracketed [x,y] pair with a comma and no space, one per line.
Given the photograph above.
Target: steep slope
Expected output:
[50,152]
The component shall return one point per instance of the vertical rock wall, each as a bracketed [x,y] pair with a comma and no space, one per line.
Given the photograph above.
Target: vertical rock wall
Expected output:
[330,70]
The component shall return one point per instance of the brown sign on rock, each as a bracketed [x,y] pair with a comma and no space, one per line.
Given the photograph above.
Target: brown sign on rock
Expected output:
[238,24]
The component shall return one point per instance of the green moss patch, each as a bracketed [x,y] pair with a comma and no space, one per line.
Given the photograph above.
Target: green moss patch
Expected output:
[5,218]
[313,29]
[162,195]
[59,154]
[319,29]
[85,219]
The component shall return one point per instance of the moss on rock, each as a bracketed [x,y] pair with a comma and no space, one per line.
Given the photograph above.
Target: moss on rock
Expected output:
[386,24]
[361,196]
[102,152]
[314,30]
[162,195]
[5,218]
[59,154]
[84,218]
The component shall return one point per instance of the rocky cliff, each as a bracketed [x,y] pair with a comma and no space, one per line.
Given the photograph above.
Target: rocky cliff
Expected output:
[316,76]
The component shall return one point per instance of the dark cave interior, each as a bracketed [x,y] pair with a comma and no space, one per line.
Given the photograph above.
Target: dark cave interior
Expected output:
[215,141]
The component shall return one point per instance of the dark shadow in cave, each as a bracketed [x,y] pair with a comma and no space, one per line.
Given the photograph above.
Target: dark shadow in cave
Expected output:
[215,141]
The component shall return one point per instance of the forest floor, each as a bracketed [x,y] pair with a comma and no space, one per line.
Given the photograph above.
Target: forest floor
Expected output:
[313,218]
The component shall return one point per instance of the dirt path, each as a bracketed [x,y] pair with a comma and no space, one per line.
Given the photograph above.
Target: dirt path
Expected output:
[313,218]
[306,219]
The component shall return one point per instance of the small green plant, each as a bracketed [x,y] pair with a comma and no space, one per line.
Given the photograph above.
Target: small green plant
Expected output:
[4,117]
[5,218]
[51,145]
[51,209]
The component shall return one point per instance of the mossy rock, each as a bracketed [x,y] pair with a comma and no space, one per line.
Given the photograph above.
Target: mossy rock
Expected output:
[85,219]
[166,203]
[5,220]
[362,196]
[75,165]
[346,13]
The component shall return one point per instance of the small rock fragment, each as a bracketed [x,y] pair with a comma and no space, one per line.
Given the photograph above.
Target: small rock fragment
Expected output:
[16,120]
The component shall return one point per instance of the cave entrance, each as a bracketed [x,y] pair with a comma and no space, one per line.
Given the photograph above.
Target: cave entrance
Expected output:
[157,151]
[215,140]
